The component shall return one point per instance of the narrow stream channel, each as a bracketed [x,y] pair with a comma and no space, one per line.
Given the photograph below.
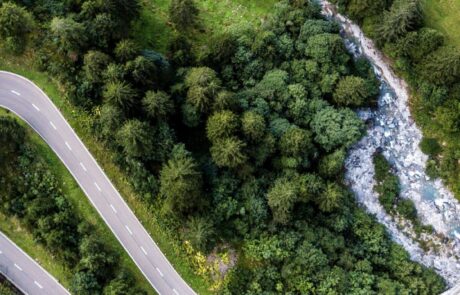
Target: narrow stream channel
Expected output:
[393,131]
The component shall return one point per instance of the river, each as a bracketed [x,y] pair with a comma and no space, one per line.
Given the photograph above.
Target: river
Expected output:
[393,131]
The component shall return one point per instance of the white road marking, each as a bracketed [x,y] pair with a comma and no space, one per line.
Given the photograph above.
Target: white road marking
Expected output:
[68,146]
[52,125]
[113,208]
[1,252]
[15,92]
[127,228]
[175,292]
[35,107]
[38,284]
[143,250]
[83,166]
[159,271]
[97,186]
[17,266]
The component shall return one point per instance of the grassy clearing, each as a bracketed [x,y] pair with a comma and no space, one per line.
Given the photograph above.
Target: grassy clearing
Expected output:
[24,239]
[154,30]
[444,15]
[81,122]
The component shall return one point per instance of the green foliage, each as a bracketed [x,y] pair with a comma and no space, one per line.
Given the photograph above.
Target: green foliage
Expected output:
[441,67]
[180,182]
[331,198]
[296,141]
[404,16]
[387,184]
[6,288]
[142,70]
[203,85]
[365,8]
[183,13]
[126,50]
[68,34]
[109,120]
[406,208]
[388,189]
[198,232]
[97,259]
[327,48]
[122,285]
[351,91]
[12,136]
[221,125]
[331,165]
[135,138]
[228,152]
[85,283]
[430,146]
[16,23]
[95,62]
[336,128]
[281,198]
[157,105]
[253,125]
[119,94]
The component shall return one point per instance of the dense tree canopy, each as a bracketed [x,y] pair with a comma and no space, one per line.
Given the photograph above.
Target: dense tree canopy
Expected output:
[15,25]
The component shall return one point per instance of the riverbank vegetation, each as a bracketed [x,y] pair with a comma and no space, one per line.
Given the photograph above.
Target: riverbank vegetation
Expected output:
[238,148]
[388,189]
[431,65]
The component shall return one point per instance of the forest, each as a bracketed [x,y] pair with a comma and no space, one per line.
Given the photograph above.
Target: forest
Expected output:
[239,147]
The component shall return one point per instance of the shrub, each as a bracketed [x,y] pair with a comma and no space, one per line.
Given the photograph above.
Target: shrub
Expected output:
[430,146]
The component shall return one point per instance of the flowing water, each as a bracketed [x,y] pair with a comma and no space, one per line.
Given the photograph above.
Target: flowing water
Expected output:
[393,131]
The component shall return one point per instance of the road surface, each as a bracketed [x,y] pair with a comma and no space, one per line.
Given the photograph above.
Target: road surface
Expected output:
[24,272]
[26,100]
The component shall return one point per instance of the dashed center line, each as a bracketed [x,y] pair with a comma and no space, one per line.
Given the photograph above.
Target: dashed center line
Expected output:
[143,250]
[97,186]
[113,208]
[52,125]
[18,267]
[159,271]
[83,166]
[129,230]
[15,92]
[68,146]
[38,284]
[175,292]
[35,107]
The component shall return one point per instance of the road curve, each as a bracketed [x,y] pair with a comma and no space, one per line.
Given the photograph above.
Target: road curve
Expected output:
[24,272]
[31,104]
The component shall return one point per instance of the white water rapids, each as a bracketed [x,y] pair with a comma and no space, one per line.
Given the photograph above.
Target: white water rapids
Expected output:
[394,132]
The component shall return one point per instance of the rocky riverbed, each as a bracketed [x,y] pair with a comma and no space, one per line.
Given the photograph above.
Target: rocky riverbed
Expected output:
[393,131]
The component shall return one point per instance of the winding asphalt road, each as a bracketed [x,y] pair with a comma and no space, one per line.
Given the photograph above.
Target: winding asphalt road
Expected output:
[30,103]
[24,272]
